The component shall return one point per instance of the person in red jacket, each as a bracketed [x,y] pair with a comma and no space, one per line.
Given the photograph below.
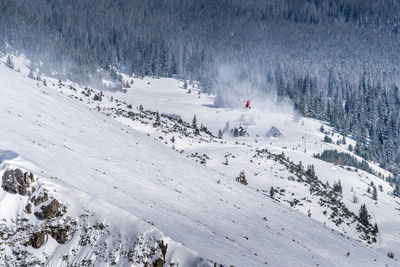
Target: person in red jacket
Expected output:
[248,104]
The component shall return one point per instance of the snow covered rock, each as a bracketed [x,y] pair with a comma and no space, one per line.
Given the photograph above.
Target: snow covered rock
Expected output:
[274,132]
[49,211]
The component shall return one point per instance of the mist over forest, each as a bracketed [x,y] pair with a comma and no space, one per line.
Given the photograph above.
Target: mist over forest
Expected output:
[334,60]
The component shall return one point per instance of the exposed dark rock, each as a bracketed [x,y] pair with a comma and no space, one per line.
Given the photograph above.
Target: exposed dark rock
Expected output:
[40,199]
[16,182]
[19,176]
[164,248]
[158,263]
[28,177]
[37,239]
[50,211]
[274,132]
[59,234]
[10,184]
[28,208]
[161,261]
[23,190]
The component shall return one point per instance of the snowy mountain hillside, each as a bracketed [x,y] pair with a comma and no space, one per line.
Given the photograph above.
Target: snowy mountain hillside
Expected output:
[95,178]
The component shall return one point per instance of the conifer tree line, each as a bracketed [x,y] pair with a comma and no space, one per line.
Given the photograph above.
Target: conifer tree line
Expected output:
[281,46]
[368,112]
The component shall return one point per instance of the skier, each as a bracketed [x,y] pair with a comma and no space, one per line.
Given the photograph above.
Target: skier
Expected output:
[248,104]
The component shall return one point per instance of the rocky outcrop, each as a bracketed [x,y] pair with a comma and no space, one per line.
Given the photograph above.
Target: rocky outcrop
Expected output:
[28,208]
[37,239]
[37,200]
[59,233]
[50,211]
[17,182]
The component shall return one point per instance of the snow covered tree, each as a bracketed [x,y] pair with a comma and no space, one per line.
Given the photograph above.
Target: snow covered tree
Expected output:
[10,62]
[30,74]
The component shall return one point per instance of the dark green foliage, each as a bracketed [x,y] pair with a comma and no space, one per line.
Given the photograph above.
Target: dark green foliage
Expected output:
[272,192]
[363,215]
[158,120]
[194,122]
[374,193]
[396,190]
[327,139]
[220,134]
[337,187]
[346,159]
[97,97]
[239,131]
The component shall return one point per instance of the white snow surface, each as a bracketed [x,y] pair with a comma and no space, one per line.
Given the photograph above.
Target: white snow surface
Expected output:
[139,185]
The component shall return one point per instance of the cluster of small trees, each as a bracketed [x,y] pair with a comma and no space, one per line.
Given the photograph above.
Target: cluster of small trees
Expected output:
[374,192]
[346,159]
[337,187]
[327,139]
[239,131]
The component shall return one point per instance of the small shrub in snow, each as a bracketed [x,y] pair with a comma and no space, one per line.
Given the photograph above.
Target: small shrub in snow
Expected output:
[242,178]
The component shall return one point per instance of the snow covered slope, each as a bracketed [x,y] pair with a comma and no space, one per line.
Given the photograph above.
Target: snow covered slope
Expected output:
[109,190]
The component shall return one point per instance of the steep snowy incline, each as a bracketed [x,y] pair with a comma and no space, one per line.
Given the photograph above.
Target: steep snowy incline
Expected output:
[92,162]
[301,139]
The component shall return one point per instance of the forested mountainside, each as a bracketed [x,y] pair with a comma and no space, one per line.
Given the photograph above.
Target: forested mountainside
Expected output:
[335,60]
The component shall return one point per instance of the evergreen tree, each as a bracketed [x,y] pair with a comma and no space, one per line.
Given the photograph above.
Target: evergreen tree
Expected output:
[396,190]
[194,122]
[327,139]
[272,192]
[220,134]
[158,120]
[337,187]
[10,62]
[374,193]
[363,215]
